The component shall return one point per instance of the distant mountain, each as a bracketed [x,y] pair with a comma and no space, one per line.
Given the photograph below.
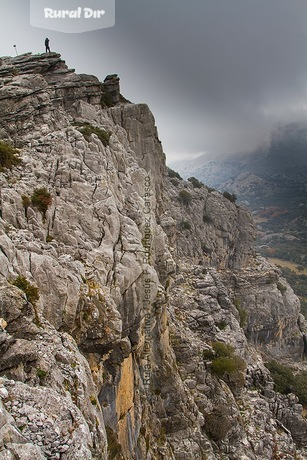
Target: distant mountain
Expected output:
[271,181]
[213,172]
[282,165]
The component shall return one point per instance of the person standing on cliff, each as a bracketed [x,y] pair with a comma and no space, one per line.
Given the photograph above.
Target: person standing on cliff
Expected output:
[47,45]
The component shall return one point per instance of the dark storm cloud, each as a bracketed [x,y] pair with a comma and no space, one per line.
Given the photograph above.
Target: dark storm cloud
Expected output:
[217,74]
[226,70]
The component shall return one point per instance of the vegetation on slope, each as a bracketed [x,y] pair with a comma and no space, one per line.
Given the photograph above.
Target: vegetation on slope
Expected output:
[287,382]
[8,156]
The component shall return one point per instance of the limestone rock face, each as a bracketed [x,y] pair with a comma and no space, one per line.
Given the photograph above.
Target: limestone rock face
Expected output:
[116,286]
[55,380]
[213,231]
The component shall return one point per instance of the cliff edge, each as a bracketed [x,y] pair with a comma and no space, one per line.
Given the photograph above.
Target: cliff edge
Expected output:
[135,314]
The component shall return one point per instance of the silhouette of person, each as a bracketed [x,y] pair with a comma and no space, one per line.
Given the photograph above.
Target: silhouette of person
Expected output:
[47,45]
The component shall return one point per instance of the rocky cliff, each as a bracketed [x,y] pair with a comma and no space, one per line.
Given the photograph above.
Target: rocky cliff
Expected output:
[122,291]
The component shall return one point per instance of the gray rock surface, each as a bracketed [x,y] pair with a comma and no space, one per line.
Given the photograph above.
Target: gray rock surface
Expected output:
[135,285]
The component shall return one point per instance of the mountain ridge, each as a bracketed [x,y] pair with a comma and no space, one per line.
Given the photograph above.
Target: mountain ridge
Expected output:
[145,285]
[271,178]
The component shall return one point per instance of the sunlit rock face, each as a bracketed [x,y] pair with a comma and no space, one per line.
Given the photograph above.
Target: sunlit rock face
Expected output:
[116,284]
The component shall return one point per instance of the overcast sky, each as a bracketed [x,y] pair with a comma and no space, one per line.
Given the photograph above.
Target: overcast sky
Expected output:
[217,74]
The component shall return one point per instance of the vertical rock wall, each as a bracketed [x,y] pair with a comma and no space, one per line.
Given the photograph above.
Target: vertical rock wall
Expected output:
[135,285]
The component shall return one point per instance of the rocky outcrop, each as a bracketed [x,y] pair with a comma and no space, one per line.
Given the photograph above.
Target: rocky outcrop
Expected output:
[111,87]
[46,380]
[114,291]
[210,229]
[34,89]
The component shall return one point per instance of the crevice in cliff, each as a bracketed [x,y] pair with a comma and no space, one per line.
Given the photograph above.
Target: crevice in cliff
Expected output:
[94,191]
[20,97]
[119,240]
[3,252]
[53,219]
[103,233]
[30,262]
[53,174]
[132,282]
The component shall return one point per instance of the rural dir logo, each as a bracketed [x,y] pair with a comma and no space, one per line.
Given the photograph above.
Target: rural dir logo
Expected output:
[72,16]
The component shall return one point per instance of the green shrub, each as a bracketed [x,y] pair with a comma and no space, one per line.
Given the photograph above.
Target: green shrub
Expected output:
[8,156]
[283,377]
[31,291]
[172,173]
[223,365]
[243,315]
[208,354]
[185,225]
[281,287]
[174,181]
[227,366]
[41,373]
[195,182]
[231,370]
[93,400]
[237,302]
[185,197]
[221,325]
[230,196]
[288,382]
[41,199]
[88,129]
[222,349]
[26,201]
[300,387]
[206,218]
[218,422]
